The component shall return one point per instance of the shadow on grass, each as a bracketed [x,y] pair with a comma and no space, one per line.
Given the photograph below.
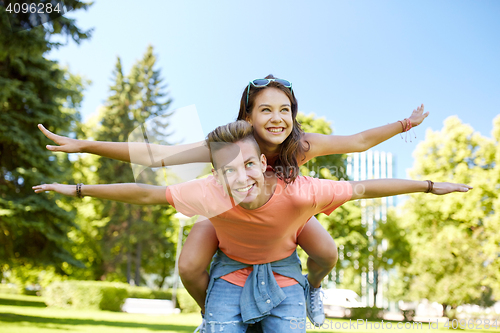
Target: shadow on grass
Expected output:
[18,302]
[43,321]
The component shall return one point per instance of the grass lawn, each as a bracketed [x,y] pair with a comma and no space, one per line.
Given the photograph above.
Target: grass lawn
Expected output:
[28,314]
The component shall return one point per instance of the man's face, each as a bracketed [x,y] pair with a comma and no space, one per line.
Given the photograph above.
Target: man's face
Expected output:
[241,173]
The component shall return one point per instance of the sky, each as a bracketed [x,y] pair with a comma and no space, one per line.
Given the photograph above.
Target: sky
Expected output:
[358,64]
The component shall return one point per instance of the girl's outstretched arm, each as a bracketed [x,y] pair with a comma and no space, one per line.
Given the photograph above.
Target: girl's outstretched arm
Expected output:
[376,188]
[151,155]
[139,194]
[342,144]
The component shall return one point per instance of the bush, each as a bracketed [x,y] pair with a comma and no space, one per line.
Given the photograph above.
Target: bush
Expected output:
[185,302]
[145,292]
[57,295]
[12,289]
[8,289]
[367,313]
[30,292]
[140,292]
[113,298]
[95,295]
[451,313]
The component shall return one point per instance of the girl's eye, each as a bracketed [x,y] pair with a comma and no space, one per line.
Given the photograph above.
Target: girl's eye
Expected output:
[250,164]
[285,110]
[266,110]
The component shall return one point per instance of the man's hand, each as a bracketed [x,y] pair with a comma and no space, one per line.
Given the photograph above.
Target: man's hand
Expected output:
[445,188]
[69,190]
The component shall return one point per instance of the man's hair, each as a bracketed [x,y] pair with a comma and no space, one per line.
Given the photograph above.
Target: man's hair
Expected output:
[227,135]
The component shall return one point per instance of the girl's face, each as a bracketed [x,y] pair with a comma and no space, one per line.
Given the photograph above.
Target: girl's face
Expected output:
[271,117]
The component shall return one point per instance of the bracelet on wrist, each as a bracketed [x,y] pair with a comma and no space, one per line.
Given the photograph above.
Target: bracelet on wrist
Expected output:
[406,126]
[402,127]
[430,186]
[79,190]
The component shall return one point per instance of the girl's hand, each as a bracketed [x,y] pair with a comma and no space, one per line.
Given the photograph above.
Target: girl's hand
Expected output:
[69,190]
[65,144]
[418,116]
[445,188]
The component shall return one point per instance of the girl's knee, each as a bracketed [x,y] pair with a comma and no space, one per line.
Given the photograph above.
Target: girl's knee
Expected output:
[328,258]
[190,268]
[333,257]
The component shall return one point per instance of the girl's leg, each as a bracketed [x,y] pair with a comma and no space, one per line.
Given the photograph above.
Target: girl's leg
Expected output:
[321,249]
[196,254]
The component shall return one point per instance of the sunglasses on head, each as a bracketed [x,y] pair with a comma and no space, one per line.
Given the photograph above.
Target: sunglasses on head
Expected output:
[258,83]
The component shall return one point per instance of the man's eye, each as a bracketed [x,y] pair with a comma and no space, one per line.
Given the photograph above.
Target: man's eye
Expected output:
[228,171]
[250,164]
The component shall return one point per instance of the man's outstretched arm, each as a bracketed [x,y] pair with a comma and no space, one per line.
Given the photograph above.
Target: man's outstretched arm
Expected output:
[139,194]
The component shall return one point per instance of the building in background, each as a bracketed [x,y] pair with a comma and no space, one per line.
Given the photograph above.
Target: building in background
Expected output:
[363,166]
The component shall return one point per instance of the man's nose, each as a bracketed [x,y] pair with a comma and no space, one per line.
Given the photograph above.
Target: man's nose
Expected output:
[241,176]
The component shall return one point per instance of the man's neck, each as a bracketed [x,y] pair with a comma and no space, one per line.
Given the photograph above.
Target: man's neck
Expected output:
[270,183]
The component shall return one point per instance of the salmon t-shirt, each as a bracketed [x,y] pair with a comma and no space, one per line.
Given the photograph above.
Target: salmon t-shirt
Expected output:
[264,234]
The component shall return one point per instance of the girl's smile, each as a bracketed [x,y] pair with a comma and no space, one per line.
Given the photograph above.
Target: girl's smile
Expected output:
[271,118]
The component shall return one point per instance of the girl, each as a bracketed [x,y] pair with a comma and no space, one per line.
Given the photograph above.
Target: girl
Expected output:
[270,105]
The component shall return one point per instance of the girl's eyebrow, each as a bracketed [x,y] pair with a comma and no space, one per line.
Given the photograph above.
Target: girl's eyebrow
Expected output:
[270,105]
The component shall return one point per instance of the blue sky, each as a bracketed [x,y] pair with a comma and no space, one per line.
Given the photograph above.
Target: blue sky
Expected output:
[359,64]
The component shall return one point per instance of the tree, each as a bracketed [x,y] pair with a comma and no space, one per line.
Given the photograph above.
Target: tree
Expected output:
[326,167]
[132,235]
[454,238]
[492,219]
[344,224]
[33,89]
[386,249]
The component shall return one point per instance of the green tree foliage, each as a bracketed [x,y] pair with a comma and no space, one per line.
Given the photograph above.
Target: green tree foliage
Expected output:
[389,247]
[454,238]
[344,224]
[129,236]
[33,89]
[326,167]
[492,220]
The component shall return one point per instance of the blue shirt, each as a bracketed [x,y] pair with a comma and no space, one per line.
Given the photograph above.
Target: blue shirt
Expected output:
[261,292]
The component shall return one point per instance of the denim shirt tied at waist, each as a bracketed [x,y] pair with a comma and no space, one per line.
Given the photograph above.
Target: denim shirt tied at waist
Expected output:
[261,292]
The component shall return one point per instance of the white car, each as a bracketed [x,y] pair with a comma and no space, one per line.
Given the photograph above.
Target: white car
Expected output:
[338,302]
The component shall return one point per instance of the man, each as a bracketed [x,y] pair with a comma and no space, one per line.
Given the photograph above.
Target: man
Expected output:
[256,275]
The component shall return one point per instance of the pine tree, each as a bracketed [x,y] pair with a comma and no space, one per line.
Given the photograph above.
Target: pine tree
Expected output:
[33,89]
[133,234]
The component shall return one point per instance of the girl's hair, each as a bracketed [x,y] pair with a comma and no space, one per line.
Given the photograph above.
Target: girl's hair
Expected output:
[286,165]
[226,135]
